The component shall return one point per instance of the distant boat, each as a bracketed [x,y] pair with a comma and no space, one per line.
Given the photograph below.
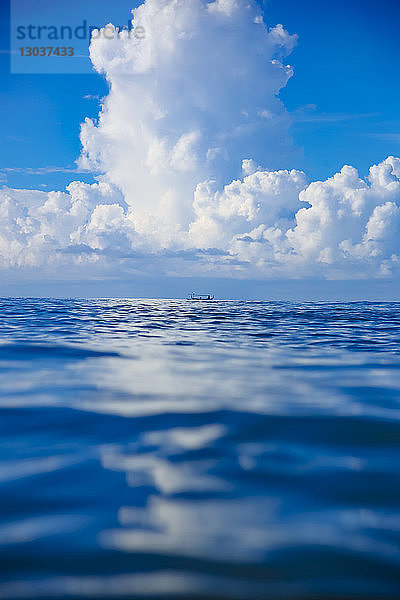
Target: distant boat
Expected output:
[194,296]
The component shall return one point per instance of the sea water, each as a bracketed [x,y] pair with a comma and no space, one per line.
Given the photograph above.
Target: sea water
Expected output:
[183,449]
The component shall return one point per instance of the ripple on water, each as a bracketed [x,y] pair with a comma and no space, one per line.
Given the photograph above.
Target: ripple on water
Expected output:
[170,449]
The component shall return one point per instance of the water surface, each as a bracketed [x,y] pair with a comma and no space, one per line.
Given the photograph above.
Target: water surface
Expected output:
[177,449]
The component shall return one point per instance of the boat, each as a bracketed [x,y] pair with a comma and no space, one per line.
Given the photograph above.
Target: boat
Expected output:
[194,296]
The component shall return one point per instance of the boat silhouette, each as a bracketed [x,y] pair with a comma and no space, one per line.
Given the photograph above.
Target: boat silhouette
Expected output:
[194,296]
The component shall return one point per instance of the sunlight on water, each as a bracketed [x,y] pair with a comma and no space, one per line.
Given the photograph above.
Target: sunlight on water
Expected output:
[177,449]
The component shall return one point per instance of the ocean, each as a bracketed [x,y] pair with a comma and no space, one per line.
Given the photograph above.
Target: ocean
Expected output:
[199,450]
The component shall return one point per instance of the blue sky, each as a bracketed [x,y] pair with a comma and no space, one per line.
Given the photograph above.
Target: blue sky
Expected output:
[347,64]
[344,95]
[143,225]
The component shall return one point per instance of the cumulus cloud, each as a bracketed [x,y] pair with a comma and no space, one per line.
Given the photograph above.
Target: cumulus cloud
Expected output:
[189,150]
[37,227]
[350,221]
[276,224]
[187,103]
[268,224]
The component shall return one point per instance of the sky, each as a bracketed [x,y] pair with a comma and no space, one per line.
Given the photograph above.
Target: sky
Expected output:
[338,106]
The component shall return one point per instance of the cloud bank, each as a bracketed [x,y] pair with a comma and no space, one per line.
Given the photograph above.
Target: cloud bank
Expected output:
[188,151]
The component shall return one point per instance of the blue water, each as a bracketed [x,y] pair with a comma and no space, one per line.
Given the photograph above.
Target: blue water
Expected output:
[175,449]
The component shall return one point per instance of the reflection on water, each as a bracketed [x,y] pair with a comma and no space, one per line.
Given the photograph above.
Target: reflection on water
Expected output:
[175,449]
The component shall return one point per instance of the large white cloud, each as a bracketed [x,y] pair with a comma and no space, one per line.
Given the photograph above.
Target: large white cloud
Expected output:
[351,224]
[191,113]
[186,103]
